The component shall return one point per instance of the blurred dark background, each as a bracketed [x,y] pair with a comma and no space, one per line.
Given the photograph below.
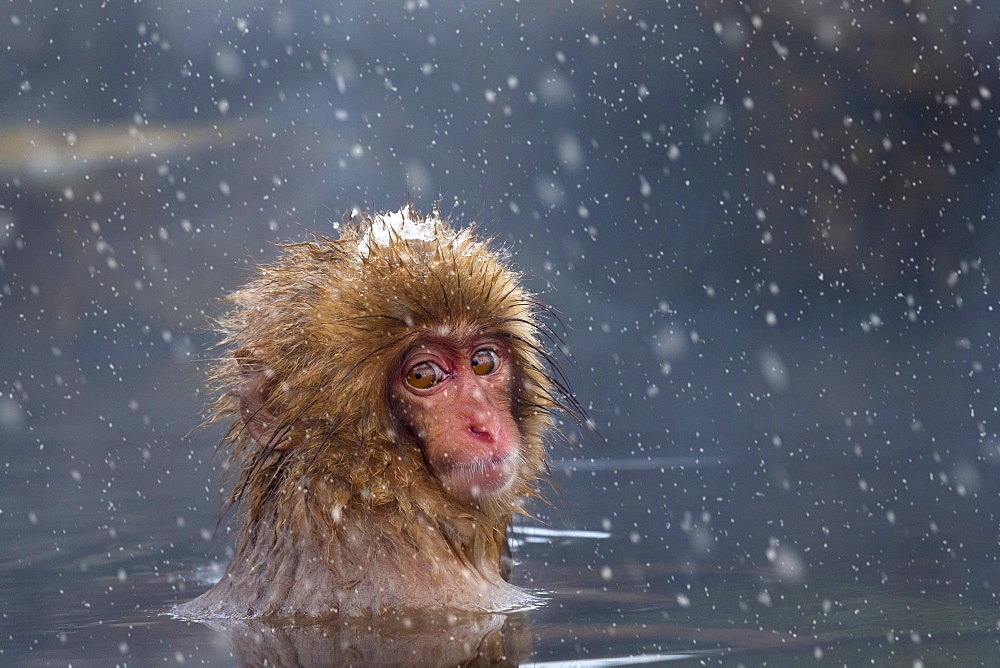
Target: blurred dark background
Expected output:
[768,228]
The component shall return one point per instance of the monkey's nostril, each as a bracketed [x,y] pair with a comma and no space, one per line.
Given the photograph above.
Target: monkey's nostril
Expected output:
[481,433]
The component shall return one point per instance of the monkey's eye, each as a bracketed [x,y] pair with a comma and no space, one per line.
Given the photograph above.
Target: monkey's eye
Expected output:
[484,362]
[424,375]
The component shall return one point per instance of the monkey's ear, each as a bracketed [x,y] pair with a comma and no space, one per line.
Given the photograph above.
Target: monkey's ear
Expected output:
[257,417]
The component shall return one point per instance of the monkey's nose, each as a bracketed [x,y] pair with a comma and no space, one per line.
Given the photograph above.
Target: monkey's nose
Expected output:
[482,432]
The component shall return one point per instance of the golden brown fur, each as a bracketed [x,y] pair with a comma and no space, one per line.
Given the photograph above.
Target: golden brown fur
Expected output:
[339,513]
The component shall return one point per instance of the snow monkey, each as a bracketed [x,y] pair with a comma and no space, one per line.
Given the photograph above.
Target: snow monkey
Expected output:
[389,393]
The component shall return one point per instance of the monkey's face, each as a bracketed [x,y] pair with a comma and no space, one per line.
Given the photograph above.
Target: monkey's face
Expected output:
[455,396]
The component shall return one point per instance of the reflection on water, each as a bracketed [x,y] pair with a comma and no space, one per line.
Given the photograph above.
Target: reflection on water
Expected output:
[425,640]
[612,596]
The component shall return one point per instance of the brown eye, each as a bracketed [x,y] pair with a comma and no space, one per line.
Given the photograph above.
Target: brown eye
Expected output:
[484,362]
[424,375]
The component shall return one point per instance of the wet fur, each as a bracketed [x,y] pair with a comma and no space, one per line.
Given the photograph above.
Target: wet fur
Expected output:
[339,512]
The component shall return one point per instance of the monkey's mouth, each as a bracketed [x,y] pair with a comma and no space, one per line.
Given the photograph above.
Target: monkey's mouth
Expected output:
[479,479]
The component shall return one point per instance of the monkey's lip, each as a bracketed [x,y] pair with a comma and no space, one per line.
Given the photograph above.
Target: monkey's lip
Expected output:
[477,479]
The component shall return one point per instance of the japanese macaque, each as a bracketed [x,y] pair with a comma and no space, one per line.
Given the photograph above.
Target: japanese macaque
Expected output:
[389,394]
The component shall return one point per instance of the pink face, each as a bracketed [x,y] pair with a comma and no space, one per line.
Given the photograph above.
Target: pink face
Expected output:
[456,398]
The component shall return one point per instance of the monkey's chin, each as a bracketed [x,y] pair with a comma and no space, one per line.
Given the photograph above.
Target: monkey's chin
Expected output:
[480,480]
